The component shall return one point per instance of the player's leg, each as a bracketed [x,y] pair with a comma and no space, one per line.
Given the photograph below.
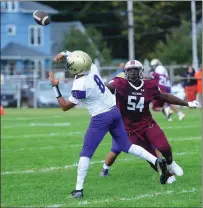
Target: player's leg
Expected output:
[159,105]
[166,109]
[158,139]
[110,158]
[117,130]
[97,129]
[180,114]
[141,141]
[171,178]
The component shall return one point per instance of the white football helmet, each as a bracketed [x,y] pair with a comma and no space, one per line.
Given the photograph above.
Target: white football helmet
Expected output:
[154,63]
[78,62]
[133,70]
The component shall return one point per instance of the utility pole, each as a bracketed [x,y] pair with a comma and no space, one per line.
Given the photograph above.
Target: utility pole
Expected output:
[194,36]
[131,48]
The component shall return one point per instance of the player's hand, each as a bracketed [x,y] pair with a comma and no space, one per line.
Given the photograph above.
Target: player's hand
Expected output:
[193,104]
[53,81]
[58,58]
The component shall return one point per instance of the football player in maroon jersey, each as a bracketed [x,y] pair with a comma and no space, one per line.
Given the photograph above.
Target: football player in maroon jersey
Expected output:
[133,96]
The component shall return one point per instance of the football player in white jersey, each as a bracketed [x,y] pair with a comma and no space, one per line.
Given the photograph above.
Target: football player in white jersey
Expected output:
[89,89]
[161,75]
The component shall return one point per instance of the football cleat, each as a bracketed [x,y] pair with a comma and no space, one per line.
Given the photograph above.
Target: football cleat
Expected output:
[104,172]
[181,117]
[171,179]
[174,168]
[170,119]
[77,194]
[162,170]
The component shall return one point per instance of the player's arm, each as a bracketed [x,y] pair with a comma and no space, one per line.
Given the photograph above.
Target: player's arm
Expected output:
[110,87]
[65,105]
[112,84]
[171,99]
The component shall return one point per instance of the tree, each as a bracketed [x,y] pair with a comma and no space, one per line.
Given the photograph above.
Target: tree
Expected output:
[153,21]
[178,46]
[100,44]
[90,41]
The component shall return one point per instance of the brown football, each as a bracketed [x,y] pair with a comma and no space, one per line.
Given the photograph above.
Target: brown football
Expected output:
[42,18]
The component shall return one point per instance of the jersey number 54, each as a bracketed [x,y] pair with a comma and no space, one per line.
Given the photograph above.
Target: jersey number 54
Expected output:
[135,103]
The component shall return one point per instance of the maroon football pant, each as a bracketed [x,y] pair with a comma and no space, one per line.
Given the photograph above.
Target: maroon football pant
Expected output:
[152,138]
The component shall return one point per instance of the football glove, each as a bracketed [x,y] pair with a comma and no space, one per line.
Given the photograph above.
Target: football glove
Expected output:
[193,104]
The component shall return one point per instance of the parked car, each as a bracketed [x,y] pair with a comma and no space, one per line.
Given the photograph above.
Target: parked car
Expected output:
[46,95]
[9,94]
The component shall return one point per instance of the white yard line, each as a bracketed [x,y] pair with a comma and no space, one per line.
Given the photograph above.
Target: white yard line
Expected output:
[36,124]
[33,117]
[56,168]
[138,197]
[185,139]
[75,165]
[61,124]
[121,199]
[71,145]
[41,135]
[48,147]
[180,127]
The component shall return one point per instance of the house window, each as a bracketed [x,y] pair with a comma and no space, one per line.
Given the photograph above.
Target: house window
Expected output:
[11,6]
[6,5]
[35,35]
[11,30]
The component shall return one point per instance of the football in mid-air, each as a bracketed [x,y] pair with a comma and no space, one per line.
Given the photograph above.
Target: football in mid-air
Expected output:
[41,17]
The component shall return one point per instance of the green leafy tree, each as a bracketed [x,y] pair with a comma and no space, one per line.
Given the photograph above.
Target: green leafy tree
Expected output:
[153,20]
[100,44]
[178,46]
[90,41]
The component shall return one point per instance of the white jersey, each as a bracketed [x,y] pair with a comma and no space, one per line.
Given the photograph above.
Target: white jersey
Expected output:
[92,93]
[161,70]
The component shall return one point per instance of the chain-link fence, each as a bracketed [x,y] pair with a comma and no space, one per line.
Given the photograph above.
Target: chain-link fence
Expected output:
[31,91]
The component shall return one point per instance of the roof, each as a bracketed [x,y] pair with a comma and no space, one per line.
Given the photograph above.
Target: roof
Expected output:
[18,51]
[58,30]
[30,7]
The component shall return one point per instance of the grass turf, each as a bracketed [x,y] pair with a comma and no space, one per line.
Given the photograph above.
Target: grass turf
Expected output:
[40,149]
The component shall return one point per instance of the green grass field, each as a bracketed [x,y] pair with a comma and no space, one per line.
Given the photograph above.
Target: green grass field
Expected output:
[40,150]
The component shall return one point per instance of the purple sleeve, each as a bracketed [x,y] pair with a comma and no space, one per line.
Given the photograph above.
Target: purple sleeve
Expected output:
[78,94]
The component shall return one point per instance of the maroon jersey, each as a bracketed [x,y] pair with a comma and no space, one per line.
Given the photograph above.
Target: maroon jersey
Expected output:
[133,102]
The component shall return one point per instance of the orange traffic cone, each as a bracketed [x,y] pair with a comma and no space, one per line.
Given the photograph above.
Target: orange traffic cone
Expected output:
[2,111]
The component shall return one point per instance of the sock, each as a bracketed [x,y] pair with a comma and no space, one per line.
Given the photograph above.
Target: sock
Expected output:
[106,166]
[167,111]
[142,153]
[83,166]
[180,113]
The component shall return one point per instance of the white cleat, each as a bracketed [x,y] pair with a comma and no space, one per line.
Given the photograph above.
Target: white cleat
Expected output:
[174,168]
[181,117]
[170,119]
[171,179]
